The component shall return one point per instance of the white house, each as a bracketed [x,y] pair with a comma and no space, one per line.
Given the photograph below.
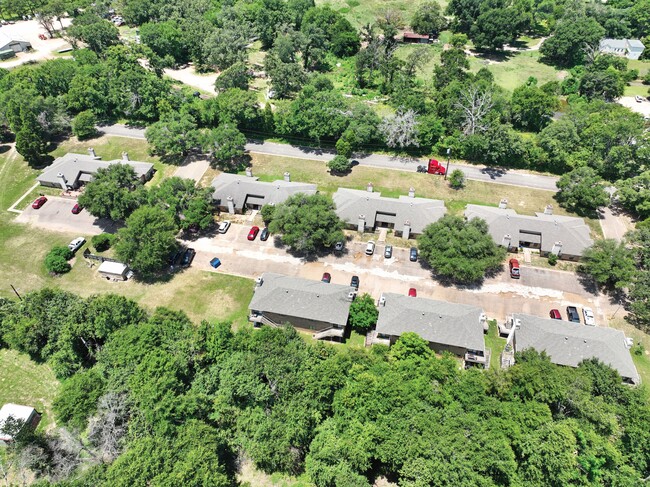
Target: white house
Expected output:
[629,48]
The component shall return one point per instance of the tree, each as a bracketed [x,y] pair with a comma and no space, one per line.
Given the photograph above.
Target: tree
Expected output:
[225,143]
[607,85]
[634,194]
[609,263]
[428,18]
[363,313]
[113,193]
[98,34]
[236,76]
[147,240]
[459,250]
[30,141]
[226,45]
[102,242]
[457,179]
[532,108]
[339,165]
[400,130]
[494,28]
[307,223]
[166,40]
[173,136]
[83,125]
[581,191]
[286,77]
[191,207]
[566,46]
[474,105]
[56,261]
[77,399]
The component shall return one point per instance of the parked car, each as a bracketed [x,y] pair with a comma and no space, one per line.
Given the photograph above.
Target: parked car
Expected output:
[253,233]
[326,277]
[176,256]
[639,99]
[223,226]
[413,292]
[588,314]
[38,202]
[215,262]
[338,246]
[76,209]
[76,244]
[370,247]
[265,234]
[514,268]
[354,282]
[388,251]
[188,257]
[413,255]
[572,314]
[555,314]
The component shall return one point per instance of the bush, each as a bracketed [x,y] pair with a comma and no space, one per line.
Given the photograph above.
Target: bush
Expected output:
[343,148]
[457,179]
[83,125]
[56,261]
[552,259]
[103,241]
[340,164]
[267,212]
[363,313]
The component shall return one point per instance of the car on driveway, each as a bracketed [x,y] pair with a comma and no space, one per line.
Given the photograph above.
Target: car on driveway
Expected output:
[370,247]
[572,314]
[264,236]
[388,251]
[555,314]
[253,233]
[354,282]
[215,262]
[413,255]
[413,292]
[639,99]
[588,314]
[223,226]
[514,268]
[188,257]
[76,209]
[38,202]
[338,246]
[76,244]
[326,277]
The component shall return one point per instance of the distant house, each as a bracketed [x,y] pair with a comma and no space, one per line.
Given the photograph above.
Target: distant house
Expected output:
[367,210]
[235,193]
[14,44]
[24,416]
[565,236]
[413,38]
[569,343]
[302,303]
[455,328]
[74,170]
[629,48]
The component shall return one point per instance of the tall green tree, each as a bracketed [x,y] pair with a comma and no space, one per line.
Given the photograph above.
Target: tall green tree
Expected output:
[566,46]
[532,108]
[173,136]
[114,192]
[428,18]
[609,263]
[225,144]
[581,191]
[363,313]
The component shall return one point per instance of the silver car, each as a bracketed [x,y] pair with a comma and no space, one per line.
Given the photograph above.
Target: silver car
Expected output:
[76,244]
[223,226]
[589,316]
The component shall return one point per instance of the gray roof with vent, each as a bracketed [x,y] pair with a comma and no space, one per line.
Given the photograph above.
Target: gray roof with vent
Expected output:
[302,298]
[570,343]
[81,167]
[248,188]
[456,325]
[571,231]
[350,203]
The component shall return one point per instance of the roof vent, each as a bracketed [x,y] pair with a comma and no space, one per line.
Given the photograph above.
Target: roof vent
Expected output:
[503,204]
[566,338]
[382,301]
[259,281]
[351,295]
[585,341]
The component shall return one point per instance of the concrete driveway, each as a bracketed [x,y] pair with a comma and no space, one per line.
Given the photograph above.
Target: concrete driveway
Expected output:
[538,290]
[55,215]
[192,168]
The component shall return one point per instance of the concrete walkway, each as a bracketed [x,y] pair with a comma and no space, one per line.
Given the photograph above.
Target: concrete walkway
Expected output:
[614,226]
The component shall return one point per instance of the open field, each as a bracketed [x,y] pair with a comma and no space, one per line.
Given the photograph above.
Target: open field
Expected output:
[362,12]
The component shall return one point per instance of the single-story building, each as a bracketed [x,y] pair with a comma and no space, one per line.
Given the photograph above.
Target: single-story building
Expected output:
[412,37]
[629,48]
[74,170]
[565,236]
[15,44]
[448,327]
[24,416]
[302,303]
[367,210]
[235,193]
[114,271]
[569,343]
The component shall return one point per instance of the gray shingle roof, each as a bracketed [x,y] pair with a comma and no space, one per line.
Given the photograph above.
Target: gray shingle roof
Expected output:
[242,188]
[613,44]
[6,39]
[350,203]
[302,298]
[456,325]
[78,167]
[571,231]
[636,43]
[570,343]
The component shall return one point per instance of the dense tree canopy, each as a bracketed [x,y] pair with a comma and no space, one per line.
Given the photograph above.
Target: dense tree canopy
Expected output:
[581,191]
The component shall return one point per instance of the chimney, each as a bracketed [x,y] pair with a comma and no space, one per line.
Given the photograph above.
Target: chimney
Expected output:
[249,172]
[351,295]
[406,232]
[557,248]
[370,188]
[411,192]
[231,205]
[503,204]
[287,177]
[92,153]
[382,301]
[62,181]
[125,156]
[361,225]
[548,210]
[507,240]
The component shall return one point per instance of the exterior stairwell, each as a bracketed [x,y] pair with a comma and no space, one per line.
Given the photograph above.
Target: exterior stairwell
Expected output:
[330,332]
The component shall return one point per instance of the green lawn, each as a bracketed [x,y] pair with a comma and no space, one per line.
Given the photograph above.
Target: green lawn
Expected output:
[637,89]
[642,361]
[495,344]
[362,12]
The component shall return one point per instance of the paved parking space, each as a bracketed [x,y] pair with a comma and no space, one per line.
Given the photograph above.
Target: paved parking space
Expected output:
[56,215]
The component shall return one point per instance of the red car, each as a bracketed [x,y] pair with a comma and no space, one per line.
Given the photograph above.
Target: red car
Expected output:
[514,268]
[253,233]
[555,314]
[413,293]
[326,277]
[76,209]
[38,202]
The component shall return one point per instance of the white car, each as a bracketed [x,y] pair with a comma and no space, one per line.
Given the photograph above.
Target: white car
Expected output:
[639,99]
[76,244]
[370,248]
[589,316]
[223,226]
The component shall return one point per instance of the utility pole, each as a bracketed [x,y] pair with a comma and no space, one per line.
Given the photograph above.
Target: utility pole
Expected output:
[12,287]
[448,157]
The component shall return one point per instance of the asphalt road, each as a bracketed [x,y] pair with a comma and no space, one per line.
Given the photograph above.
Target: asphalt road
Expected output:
[478,173]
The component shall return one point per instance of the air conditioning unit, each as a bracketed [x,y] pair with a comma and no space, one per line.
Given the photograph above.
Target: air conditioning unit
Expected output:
[382,301]
[259,281]
[629,342]
[352,295]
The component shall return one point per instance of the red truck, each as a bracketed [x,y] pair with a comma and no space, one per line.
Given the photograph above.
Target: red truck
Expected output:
[434,167]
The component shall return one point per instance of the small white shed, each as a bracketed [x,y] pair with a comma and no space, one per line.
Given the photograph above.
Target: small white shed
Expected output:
[27,415]
[114,271]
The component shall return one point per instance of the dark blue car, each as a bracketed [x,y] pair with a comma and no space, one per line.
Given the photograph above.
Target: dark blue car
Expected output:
[215,262]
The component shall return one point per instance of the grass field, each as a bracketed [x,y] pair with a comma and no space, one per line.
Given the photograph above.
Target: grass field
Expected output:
[362,12]
[495,344]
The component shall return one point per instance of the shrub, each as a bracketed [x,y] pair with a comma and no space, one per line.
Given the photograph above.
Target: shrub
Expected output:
[83,125]
[340,164]
[457,179]
[103,241]
[267,212]
[56,261]
[552,259]
[343,148]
